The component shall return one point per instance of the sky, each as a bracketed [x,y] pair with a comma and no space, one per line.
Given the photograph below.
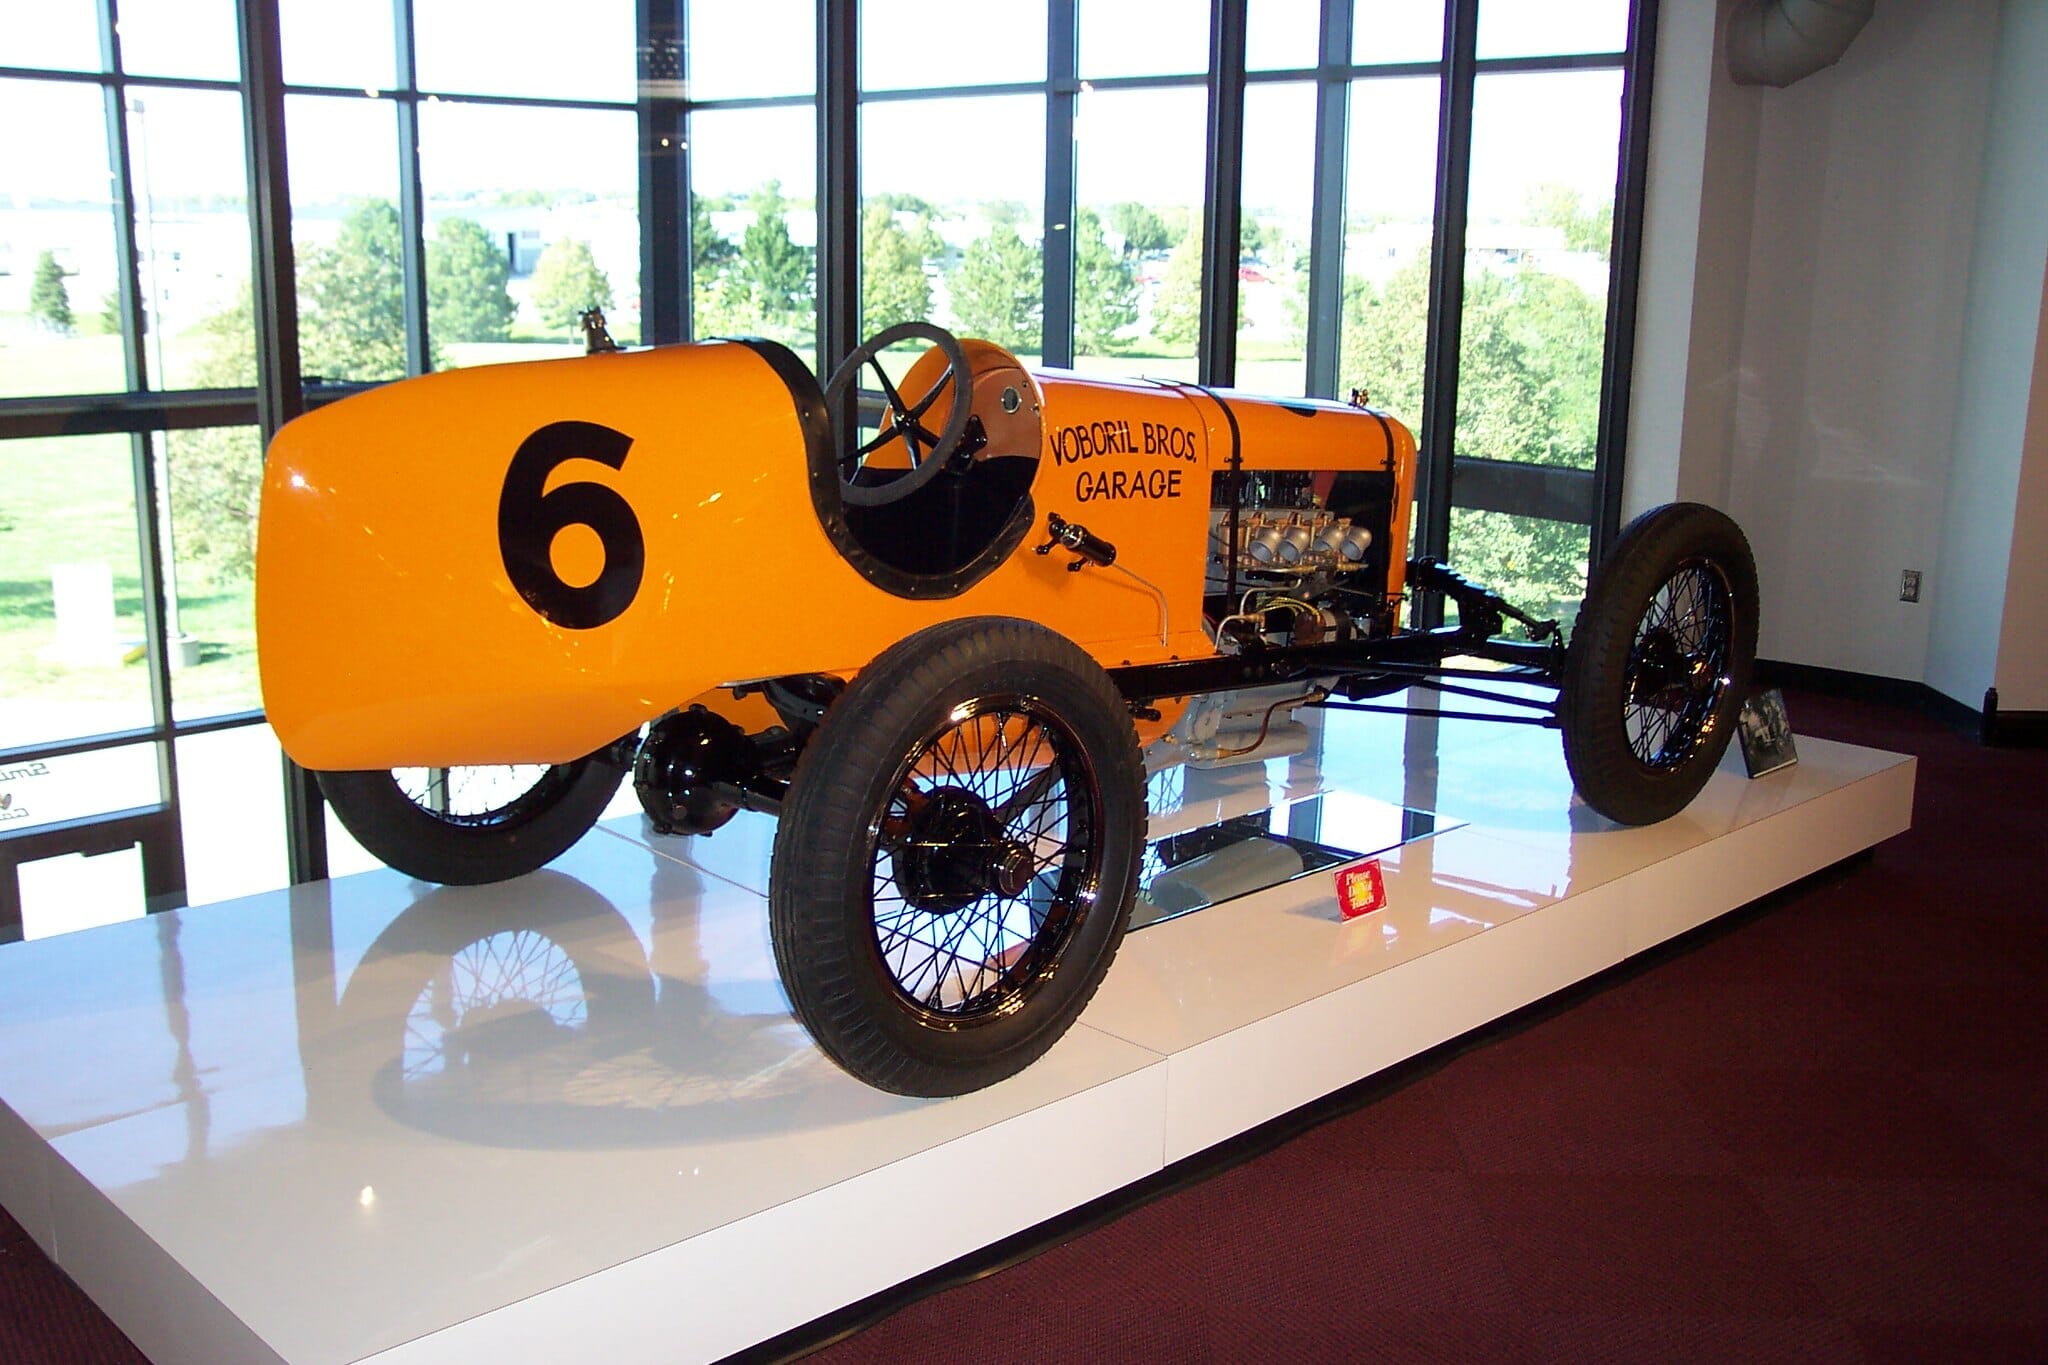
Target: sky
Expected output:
[1144,145]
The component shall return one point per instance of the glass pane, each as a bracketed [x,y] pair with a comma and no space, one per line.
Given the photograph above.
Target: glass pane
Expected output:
[60,315]
[976,186]
[534,48]
[754,225]
[45,791]
[1139,163]
[1278,205]
[1386,31]
[1543,28]
[557,191]
[71,892]
[1283,35]
[70,590]
[768,47]
[1390,204]
[62,35]
[346,238]
[231,810]
[1537,564]
[1161,38]
[1544,151]
[214,476]
[338,42]
[195,38]
[932,44]
[192,234]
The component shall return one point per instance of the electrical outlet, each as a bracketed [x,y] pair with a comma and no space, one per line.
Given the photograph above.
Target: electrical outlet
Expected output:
[1909,585]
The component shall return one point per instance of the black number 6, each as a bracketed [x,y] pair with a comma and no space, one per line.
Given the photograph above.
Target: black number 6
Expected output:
[529,519]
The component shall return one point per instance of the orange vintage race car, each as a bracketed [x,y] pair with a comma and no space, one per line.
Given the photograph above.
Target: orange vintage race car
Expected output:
[929,633]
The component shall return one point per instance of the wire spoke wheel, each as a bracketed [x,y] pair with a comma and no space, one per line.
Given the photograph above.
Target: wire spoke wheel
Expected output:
[986,858]
[466,825]
[1678,666]
[1659,662]
[958,856]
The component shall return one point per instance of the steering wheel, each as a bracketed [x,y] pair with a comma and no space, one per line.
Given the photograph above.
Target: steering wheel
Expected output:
[904,421]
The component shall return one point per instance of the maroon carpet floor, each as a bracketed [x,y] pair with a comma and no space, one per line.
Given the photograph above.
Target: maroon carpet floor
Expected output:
[1817,1131]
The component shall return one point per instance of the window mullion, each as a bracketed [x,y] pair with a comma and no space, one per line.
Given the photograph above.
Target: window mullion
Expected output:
[1326,227]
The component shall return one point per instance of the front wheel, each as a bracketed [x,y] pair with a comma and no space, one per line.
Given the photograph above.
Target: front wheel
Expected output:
[958,856]
[1659,663]
[465,826]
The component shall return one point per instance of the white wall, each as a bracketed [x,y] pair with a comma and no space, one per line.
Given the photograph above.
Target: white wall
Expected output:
[1850,357]
[1990,598]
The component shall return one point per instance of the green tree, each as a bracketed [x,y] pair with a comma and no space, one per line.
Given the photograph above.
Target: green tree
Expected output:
[1177,308]
[466,278]
[998,290]
[1559,206]
[893,287]
[710,252]
[776,271]
[49,302]
[1105,287]
[567,282]
[216,474]
[352,299]
[1141,228]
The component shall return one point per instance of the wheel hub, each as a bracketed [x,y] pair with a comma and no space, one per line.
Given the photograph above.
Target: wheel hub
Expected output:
[957,852]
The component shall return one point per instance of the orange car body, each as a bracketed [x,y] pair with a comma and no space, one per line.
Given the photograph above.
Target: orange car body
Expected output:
[399,625]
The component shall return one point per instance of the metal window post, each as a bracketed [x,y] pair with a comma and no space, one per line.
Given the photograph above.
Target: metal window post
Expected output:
[1222,209]
[1063,88]
[838,181]
[665,246]
[1326,228]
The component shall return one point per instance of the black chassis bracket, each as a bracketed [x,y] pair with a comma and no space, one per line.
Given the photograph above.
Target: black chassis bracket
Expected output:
[1363,667]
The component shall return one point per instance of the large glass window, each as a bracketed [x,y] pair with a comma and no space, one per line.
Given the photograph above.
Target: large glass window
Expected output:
[533,49]
[1384,32]
[937,44]
[1159,38]
[194,39]
[215,476]
[60,320]
[1390,199]
[345,239]
[1274,222]
[343,43]
[1282,35]
[963,208]
[70,590]
[1138,166]
[754,224]
[1516,28]
[192,236]
[57,35]
[753,51]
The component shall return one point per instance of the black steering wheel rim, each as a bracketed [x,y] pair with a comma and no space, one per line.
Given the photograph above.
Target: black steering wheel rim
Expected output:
[905,421]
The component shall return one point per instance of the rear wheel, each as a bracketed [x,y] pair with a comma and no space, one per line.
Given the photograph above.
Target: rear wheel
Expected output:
[468,825]
[958,856]
[1659,663]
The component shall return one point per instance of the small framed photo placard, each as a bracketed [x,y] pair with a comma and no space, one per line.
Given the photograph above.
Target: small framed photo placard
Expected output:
[1766,734]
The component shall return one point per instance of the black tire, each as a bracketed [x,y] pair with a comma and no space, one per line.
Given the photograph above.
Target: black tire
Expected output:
[943,904]
[1660,661]
[414,819]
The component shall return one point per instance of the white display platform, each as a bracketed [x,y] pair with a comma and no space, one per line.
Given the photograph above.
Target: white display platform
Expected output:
[569,1117]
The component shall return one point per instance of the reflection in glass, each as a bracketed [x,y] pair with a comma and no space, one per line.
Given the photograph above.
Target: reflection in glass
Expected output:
[931,44]
[1536,248]
[1278,205]
[1139,166]
[754,225]
[1390,204]
[195,38]
[535,48]
[1160,38]
[70,590]
[754,51]
[346,238]
[1388,31]
[346,43]
[192,235]
[216,476]
[60,316]
[1508,29]
[1537,564]
[969,205]
[556,191]
[1283,35]
[60,35]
